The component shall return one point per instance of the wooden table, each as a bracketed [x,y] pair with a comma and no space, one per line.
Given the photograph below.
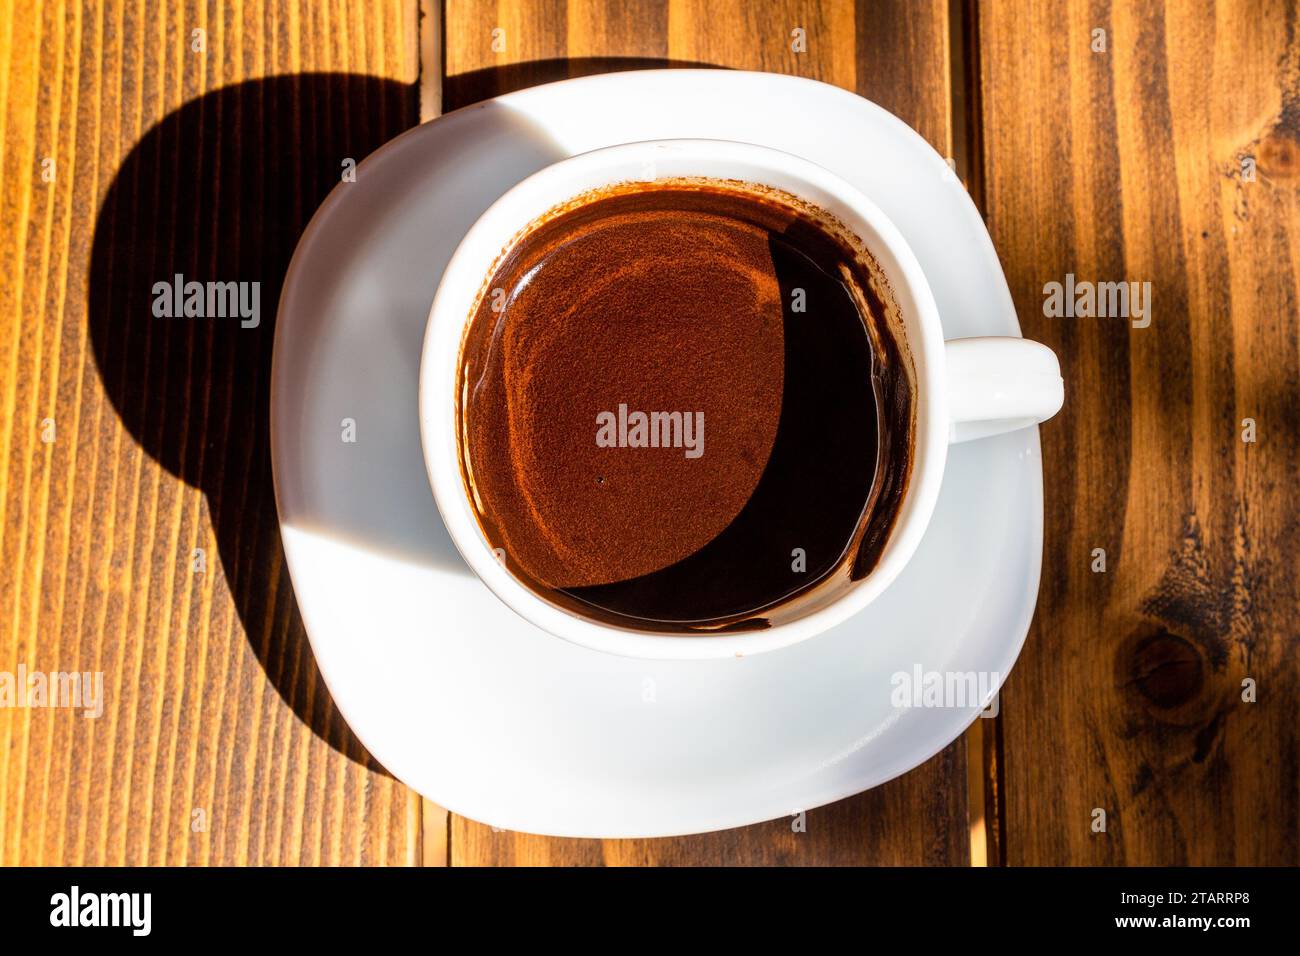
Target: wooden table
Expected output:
[1140,141]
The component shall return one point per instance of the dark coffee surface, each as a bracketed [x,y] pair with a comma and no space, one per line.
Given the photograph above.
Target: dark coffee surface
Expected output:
[727,310]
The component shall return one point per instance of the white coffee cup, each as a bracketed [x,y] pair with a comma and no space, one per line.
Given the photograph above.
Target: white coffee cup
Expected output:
[965,388]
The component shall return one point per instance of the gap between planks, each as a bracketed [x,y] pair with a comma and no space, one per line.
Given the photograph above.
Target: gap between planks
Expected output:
[435,822]
[983,738]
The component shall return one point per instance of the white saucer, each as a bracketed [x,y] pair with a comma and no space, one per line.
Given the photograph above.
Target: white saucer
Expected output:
[491,717]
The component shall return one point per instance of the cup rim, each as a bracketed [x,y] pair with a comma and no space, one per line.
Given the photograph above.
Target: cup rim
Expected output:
[500,225]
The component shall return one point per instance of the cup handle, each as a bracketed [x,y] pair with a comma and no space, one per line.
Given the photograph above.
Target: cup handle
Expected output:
[997,384]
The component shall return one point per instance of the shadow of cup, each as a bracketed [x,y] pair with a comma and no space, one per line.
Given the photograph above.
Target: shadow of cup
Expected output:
[219,192]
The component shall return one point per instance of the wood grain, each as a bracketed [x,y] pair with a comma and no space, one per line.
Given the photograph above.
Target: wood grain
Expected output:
[893,52]
[1127,164]
[168,159]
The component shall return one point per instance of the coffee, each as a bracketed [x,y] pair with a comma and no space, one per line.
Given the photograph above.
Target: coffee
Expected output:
[685,406]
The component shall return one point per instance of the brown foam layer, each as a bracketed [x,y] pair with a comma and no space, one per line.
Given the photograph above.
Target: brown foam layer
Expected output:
[638,302]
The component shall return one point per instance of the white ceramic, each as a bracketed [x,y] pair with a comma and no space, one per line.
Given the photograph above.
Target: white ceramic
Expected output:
[993,385]
[494,718]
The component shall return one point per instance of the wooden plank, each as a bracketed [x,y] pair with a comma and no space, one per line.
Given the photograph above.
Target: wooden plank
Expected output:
[894,52]
[1130,164]
[131,441]
[493,48]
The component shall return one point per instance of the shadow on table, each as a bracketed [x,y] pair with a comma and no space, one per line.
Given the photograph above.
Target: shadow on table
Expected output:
[220,191]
